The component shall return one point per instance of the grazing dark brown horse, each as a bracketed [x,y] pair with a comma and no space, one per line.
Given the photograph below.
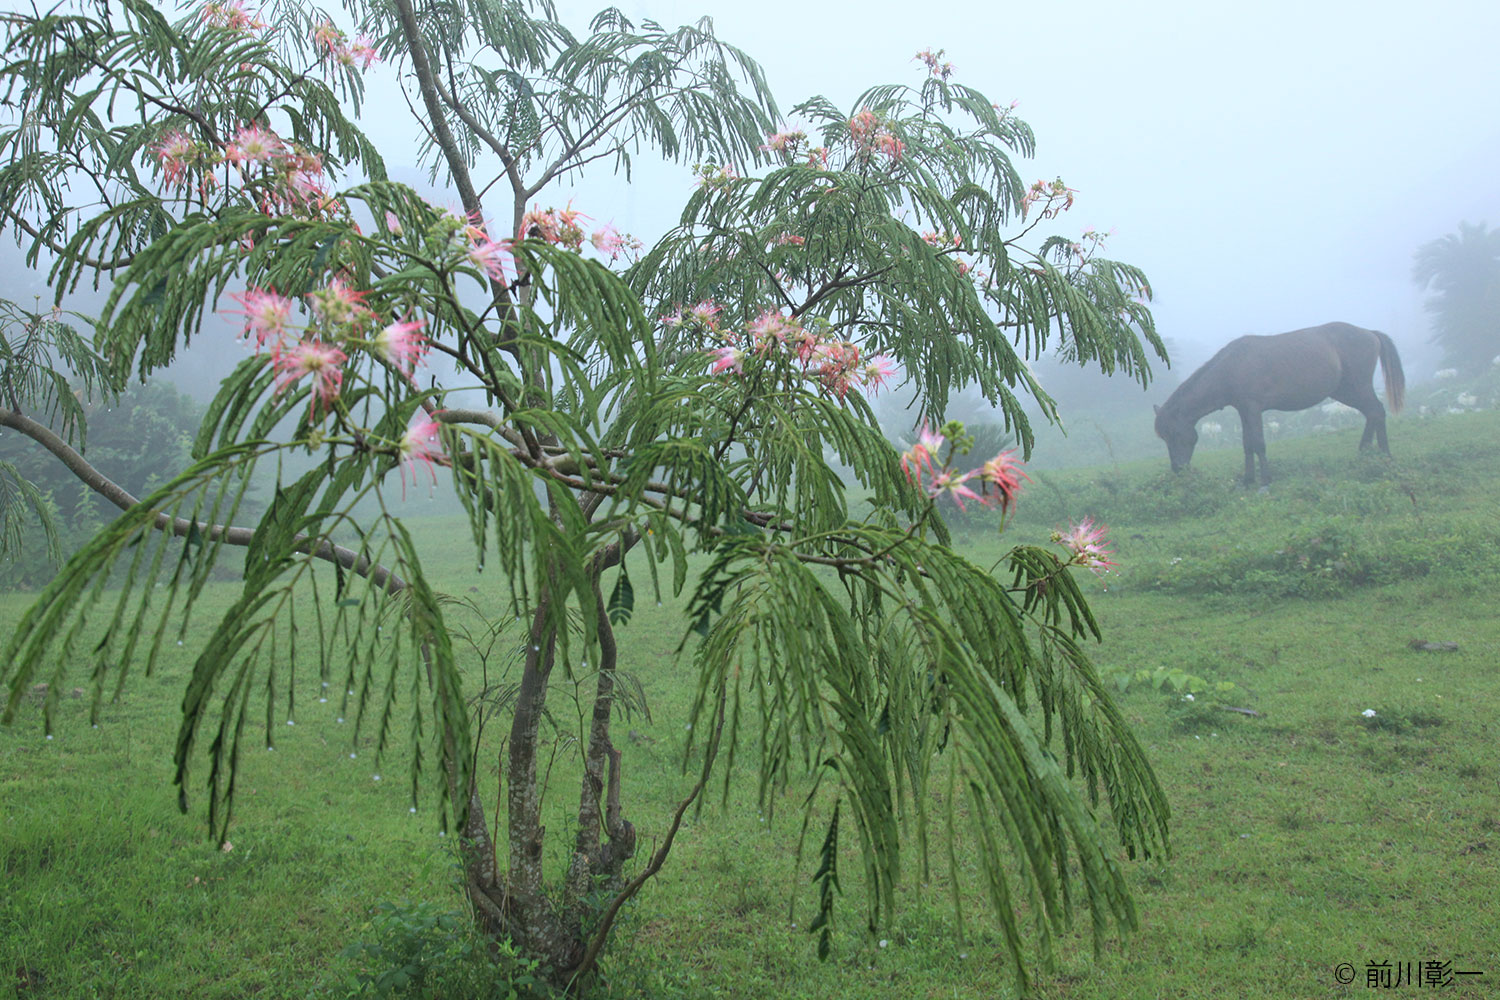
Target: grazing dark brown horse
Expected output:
[1290,371]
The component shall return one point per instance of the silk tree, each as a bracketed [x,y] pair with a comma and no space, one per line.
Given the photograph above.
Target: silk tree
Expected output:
[700,406]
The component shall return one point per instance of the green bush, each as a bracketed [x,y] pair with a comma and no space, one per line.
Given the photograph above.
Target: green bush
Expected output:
[421,950]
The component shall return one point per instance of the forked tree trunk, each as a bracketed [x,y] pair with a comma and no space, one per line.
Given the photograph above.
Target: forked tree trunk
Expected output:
[514,904]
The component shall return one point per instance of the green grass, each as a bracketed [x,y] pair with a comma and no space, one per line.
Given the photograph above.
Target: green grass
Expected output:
[1303,838]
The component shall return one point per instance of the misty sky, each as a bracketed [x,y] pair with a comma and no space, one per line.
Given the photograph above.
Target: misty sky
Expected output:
[1271,165]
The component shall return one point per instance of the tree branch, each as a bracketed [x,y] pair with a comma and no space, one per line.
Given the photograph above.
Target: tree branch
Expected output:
[181,526]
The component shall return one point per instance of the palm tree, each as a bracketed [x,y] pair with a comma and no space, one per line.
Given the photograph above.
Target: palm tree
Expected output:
[1464,269]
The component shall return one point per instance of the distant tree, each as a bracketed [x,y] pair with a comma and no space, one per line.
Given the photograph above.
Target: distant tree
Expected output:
[656,403]
[1463,268]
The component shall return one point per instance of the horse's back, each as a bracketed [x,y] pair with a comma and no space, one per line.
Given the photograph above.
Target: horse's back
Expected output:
[1299,369]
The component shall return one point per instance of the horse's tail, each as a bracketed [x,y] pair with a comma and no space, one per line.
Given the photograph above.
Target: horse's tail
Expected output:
[1395,378]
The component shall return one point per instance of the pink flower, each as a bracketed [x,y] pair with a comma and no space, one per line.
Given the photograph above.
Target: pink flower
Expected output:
[791,240]
[175,152]
[327,37]
[947,481]
[539,224]
[310,357]
[403,346]
[230,14]
[890,146]
[421,446]
[862,127]
[728,359]
[878,371]
[339,305]
[770,326]
[837,363]
[491,257]
[784,141]
[1086,541]
[608,241]
[265,314]
[361,51]
[923,455]
[392,224]
[1005,474]
[705,312]
[672,320]
[253,144]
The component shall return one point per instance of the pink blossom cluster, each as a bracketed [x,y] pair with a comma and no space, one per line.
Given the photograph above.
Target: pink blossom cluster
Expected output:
[614,244]
[794,143]
[786,141]
[493,257]
[342,325]
[335,45]
[1056,198]
[230,14]
[558,226]
[341,319]
[930,59]
[1088,244]
[836,365]
[564,227]
[869,134]
[924,468]
[1086,542]
[295,181]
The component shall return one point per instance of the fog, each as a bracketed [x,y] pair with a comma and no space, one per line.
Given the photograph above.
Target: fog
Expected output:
[1270,166]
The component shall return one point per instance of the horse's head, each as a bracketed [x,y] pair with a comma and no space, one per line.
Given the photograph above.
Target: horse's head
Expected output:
[1180,436]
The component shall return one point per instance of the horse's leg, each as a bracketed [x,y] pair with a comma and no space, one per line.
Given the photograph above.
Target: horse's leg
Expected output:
[1254,435]
[1368,403]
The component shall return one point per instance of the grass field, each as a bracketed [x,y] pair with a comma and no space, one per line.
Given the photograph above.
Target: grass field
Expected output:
[1305,838]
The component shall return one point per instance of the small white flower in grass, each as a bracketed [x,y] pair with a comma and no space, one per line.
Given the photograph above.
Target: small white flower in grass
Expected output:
[179,642]
[226,847]
[322,701]
[1189,697]
[376,777]
[341,719]
[413,809]
[442,833]
[353,755]
[291,722]
[884,942]
[49,736]
[1368,713]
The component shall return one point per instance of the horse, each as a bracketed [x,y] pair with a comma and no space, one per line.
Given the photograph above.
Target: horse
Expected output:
[1288,371]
